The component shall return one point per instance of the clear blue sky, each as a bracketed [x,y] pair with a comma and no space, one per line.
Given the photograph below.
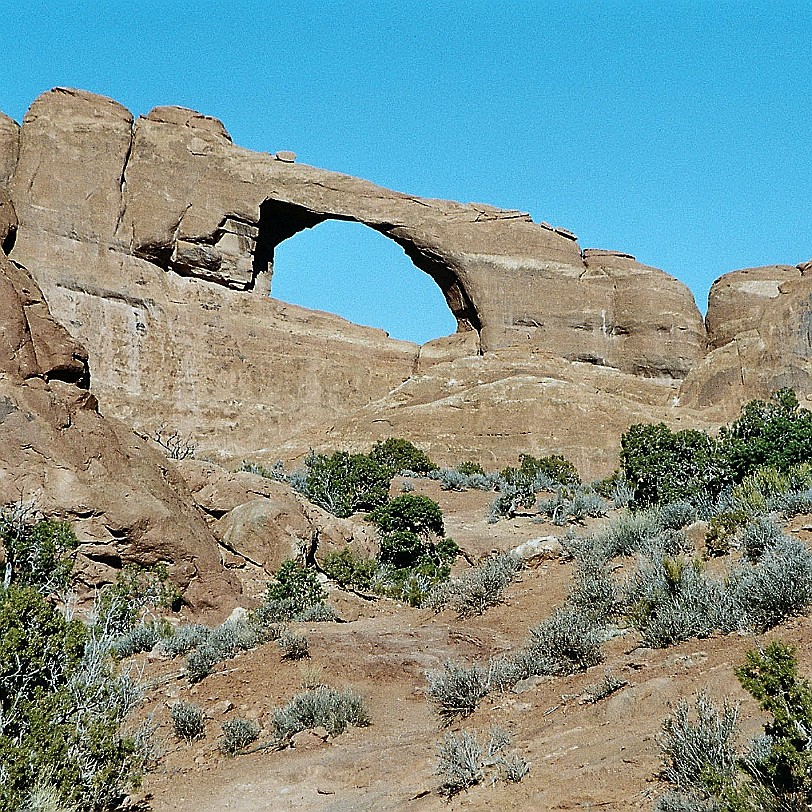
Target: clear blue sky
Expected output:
[679,132]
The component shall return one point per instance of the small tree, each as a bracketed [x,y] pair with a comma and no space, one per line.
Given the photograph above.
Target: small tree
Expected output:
[345,483]
[412,514]
[39,552]
[399,455]
[771,677]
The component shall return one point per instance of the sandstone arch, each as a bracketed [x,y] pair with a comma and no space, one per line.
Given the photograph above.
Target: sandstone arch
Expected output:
[280,220]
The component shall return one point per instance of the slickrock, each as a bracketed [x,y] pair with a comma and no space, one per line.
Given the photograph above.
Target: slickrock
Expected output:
[760,326]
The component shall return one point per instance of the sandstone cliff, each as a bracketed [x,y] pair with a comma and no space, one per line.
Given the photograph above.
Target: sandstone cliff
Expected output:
[125,501]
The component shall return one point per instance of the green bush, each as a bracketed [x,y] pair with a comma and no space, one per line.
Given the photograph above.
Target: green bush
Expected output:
[62,709]
[39,552]
[776,432]
[398,455]
[663,465]
[295,590]
[346,483]
[350,569]
[771,677]
[409,513]
[471,469]
[666,466]
[553,470]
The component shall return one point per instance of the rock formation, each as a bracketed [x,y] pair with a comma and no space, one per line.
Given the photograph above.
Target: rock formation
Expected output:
[153,241]
[125,501]
[760,335]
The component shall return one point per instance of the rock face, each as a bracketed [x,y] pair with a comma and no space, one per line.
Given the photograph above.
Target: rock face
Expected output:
[760,330]
[154,241]
[124,501]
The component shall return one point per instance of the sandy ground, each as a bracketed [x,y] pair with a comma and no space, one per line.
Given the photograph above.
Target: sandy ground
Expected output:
[582,755]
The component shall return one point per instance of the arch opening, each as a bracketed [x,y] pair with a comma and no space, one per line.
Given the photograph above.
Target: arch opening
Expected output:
[343,267]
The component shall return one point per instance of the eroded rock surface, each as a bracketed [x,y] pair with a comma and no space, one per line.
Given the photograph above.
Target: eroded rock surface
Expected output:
[760,327]
[153,240]
[125,502]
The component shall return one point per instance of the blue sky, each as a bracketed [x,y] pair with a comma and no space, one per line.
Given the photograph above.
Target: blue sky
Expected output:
[677,131]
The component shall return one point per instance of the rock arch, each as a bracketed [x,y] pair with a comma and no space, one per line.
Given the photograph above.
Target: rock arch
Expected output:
[281,220]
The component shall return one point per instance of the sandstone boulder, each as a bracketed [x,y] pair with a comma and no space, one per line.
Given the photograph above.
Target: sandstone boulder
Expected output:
[760,321]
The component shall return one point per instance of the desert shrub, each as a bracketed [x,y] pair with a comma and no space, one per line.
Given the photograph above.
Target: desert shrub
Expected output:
[609,685]
[188,721]
[759,534]
[794,503]
[470,469]
[477,590]
[39,551]
[399,455]
[213,646]
[465,761]
[512,498]
[453,480]
[350,569]
[670,600]
[774,774]
[698,754]
[640,532]
[346,483]
[62,708]
[321,707]
[677,801]
[572,506]
[407,513]
[566,642]
[778,586]
[184,639]
[295,590]
[142,637]
[518,486]
[456,690]
[174,444]
[237,735]
[276,471]
[722,531]
[676,515]
[130,600]
[594,591]
[294,646]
